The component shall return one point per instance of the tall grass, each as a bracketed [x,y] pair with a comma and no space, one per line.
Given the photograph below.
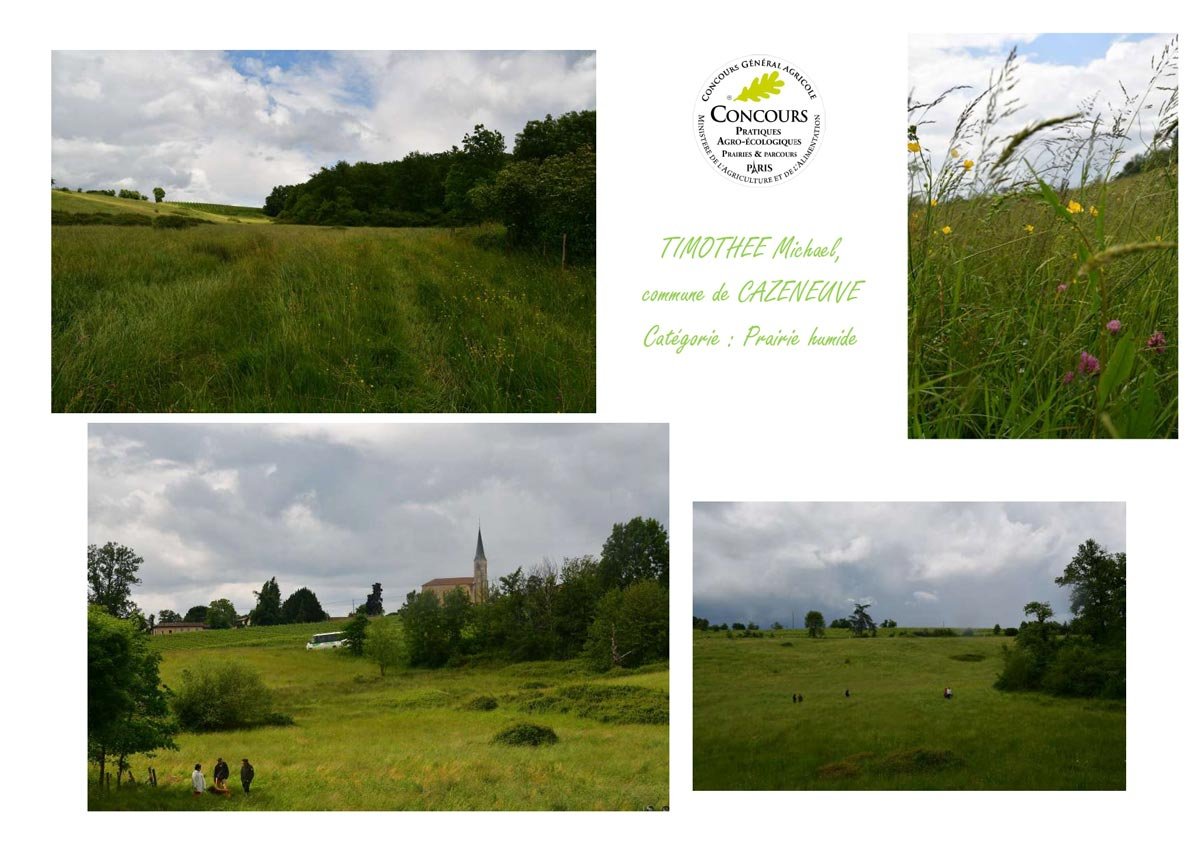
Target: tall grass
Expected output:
[895,731]
[1043,285]
[249,318]
[411,740]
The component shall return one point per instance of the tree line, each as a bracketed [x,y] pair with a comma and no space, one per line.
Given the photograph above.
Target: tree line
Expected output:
[1082,657]
[543,191]
[612,611]
[112,574]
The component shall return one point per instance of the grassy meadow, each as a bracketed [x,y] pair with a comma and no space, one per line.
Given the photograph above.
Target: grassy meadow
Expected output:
[895,732]
[409,741]
[257,317]
[1043,286]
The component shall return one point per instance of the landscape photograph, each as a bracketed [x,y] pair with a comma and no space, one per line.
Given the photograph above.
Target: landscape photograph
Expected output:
[315,231]
[377,617]
[909,646]
[1043,230]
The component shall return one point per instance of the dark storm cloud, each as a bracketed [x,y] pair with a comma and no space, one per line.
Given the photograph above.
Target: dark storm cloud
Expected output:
[958,564]
[215,510]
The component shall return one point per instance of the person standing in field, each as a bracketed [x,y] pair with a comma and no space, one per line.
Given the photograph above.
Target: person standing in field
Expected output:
[247,775]
[221,775]
[197,781]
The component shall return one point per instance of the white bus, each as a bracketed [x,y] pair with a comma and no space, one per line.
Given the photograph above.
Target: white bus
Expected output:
[332,640]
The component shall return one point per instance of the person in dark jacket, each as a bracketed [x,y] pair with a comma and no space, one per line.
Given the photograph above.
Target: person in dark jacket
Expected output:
[221,775]
[247,775]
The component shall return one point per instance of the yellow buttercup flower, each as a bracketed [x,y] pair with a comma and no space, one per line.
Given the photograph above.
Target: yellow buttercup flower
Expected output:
[914,147]
[1028,228]
[1074,207]
[933,201]
[1094,212]
[946,230]
[968,164]
[1158,238]
[954,152]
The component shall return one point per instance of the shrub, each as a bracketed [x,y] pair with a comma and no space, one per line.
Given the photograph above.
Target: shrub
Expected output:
[224,696]
[620,705]
[482,703]
[1021,670]
[526,734]
[177,222]
[1080,669]
[1011,632]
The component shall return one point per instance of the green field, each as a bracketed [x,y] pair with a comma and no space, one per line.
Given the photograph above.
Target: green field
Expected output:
[252,317]
[991,336]
[407,740]
[895,731]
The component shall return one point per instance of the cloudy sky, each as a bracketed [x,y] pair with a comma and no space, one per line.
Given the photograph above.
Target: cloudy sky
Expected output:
[1057,72]
[962,564]
[216,510]
[226,127]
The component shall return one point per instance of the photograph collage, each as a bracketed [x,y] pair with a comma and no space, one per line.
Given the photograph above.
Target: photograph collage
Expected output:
[395,356]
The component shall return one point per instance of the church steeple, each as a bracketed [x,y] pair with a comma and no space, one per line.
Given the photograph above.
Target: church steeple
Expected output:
[479,588]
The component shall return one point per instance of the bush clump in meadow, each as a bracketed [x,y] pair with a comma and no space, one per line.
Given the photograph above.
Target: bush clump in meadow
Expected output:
[217,697]
[482,703]
[526,734]
[622,705]
[968,658]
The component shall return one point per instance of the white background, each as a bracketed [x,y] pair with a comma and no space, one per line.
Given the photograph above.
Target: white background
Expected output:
[787,425]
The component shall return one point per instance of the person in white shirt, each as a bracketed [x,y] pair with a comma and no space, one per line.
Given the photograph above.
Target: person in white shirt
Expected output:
[197,781]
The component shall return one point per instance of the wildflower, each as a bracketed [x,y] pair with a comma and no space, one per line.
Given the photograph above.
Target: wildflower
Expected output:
[1158,238]
[914,147]
[946,230]
[1157,342]
[968,164]
[1114,326]
[1062,287]
[1074,207]
[1028,228]
[954,152]
[1093,211]
[1068,377]
[933,201]
[1088,364]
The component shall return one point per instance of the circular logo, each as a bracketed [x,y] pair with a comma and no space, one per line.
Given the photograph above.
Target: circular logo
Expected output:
[759,120]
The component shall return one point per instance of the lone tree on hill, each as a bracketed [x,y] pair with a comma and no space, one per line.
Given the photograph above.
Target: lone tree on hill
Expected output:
[814,621]
[861,621]
[112,572]
[1039,610]
[159,194]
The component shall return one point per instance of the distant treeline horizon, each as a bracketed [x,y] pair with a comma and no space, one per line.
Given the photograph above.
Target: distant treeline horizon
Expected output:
[543,190]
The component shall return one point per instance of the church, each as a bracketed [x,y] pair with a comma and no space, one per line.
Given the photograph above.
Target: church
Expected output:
[475,586]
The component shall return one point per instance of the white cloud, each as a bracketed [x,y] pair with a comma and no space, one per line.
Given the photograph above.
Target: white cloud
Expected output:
[191,123]
[1045,88]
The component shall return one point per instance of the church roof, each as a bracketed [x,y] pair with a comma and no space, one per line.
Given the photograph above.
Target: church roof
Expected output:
[479,555]
[449,582]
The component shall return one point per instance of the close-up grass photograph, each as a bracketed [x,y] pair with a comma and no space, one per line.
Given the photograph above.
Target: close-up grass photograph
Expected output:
[273,624]
[1043,226]
[918,646]
[293,231]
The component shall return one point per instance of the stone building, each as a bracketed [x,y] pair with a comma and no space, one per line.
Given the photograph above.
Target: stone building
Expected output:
[475,586]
